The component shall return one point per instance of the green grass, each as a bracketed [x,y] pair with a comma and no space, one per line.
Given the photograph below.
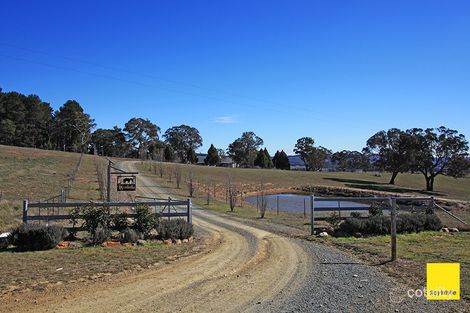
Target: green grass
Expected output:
[248,180]
[420,248]
[446,187]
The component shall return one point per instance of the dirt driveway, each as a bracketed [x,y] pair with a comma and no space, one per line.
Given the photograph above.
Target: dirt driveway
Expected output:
[245,269]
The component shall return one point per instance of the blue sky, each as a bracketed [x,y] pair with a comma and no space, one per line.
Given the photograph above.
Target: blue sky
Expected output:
[337,71]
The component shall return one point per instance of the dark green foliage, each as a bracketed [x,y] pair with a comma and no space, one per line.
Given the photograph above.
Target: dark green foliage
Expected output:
[72,127]
[351,160]
[169,154]
[119,223]
[380,225]
[100,235]
[432,222]
[111,142]
[213,157]
[129,236]
[182,138]
[244,149]
[356,214]
[175,229]
[95,217]
[393,148]
[37,237]
[375,209]
[141,133]
[191,156]
[281,161]
[313,157]
[436,151]
[145,221]
[263,159]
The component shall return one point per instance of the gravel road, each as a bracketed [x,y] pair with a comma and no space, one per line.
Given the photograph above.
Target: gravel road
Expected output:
[250,267]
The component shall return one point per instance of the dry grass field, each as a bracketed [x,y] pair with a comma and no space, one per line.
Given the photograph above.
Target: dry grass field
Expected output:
[446,187]
[37,175]
[414,250]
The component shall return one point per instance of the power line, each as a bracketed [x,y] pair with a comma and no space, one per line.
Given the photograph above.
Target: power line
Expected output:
[274,105]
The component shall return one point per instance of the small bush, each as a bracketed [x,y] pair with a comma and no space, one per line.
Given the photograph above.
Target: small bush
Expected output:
[375,209]
[96,217]
[145,221]
[175,229]
[377,225]
[355,214]
[432,222]
[119,223]
[37,237]
[129,236]
[351,225]
[333,219]
[100,235]
[380,225]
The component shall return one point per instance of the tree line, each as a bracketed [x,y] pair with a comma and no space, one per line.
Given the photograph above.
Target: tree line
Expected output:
[28,121]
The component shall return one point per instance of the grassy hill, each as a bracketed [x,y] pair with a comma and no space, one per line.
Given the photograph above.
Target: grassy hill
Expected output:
[36,175]
[445,187]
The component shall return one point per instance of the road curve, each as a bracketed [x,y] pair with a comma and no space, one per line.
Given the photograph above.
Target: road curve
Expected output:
[248,269]
[245,268]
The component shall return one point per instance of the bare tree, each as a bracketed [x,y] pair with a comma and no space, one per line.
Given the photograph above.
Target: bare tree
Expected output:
[160,169]
[178,176]
[170,175]
[231,193]
[190,184]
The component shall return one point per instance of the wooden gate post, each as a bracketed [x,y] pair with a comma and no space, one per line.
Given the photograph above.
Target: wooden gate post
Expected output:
[277,205]
[190,212]
[108,194]
[312,210]
[393,227]
[25,211]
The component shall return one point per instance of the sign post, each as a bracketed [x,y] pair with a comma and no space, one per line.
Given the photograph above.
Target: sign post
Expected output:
[126,182]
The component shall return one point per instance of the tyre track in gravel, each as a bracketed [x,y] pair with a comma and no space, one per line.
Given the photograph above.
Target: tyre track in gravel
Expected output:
[250,268]
[246,267]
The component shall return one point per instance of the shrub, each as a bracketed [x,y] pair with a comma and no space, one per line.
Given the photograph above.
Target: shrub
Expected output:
[145,221]
[119,223]
[380,225]
[356,214]
[377,225]
[129,235]
[175,229]
[351,225]
[95,217]
[375,209]
[37,237]
[100,235]
[432,222]
[333,219]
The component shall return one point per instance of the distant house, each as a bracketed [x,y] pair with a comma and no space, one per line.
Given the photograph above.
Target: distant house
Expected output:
[297,164]
[200,158]
[225,161]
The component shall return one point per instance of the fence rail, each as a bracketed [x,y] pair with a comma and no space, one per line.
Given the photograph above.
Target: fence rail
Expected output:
[168,208]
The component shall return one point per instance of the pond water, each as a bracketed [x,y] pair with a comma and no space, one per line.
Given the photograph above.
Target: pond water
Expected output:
[295,203]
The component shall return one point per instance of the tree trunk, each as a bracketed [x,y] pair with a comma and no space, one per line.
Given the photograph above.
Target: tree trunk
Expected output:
[429,183]
[392,179]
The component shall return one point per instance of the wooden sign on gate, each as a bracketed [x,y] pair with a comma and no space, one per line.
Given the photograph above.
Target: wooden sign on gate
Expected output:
[126,183]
